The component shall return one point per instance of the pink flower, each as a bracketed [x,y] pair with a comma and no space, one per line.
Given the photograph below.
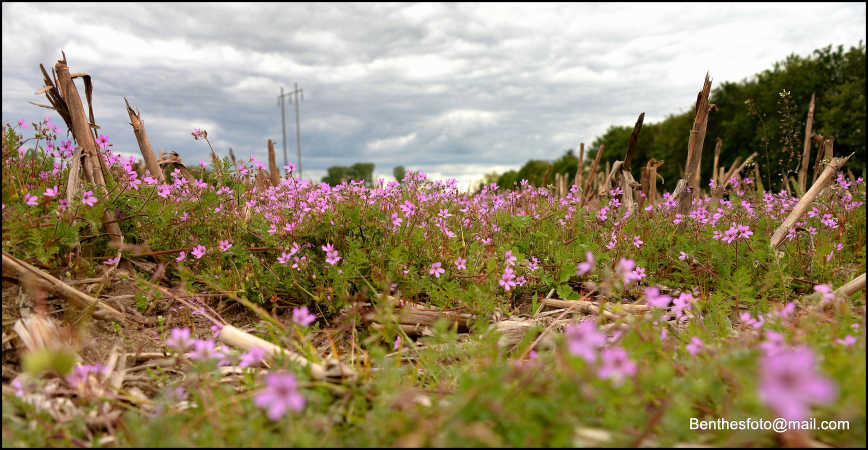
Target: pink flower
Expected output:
[31,200]
[284,258]
[510,260]
[533,264]
[695,345]
[331,254]
[616,364]
[637,242]
[112,261]
[253,357]
[683,256]
[397,343]
[82,372]
[164,190]
[786,310]
[789,383]
[584,340]
[279,395]
[88,198]
[826,291]
[774,342]
[199,251]
[507,280]
[682,304]
[179,339]
[102,141]
[436,270]
[302,316]
[625,270]
[585,267]
[182,256]
[51,192]
[224,245]
[460,263]
[848,340]
[204,350]
[653,298]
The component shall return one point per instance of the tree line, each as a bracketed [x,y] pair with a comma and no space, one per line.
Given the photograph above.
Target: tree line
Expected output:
[765,113]
[335,175]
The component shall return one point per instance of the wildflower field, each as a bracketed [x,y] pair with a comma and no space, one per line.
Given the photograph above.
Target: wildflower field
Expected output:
[228,303]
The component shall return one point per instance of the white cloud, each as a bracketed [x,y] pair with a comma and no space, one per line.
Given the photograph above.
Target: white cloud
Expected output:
[391,143]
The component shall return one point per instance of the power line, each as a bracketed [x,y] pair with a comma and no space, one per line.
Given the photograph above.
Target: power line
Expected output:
[297,97]
[283,122]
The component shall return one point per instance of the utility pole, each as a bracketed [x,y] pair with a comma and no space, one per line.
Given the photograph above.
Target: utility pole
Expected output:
[283,122]
[297,96]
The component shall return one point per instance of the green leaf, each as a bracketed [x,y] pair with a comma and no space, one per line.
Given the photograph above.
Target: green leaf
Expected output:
[567,271]
[565,292]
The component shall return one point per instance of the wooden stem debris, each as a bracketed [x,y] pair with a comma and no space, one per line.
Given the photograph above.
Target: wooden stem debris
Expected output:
[592,175]
[333,371]
[724,180]
[272,165]
[173,159]
[20,269]
[855,285]
[688,186]
[649,185]
[73,180]
[806,200]
[820,140]
[66,101]
[806,153]
[594,307]
[714,175]
[234,161]
[144,143]
[578,179]
[631,145]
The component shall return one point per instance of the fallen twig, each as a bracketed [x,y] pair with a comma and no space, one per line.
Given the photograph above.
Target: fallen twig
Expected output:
[21,268]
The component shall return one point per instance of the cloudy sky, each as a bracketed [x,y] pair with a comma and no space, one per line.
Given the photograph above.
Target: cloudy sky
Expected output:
[456,90]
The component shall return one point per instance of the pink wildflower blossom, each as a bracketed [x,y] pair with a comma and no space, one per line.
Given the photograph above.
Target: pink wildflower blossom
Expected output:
[302,316]
[616,364]
[436,270]
[253,357]
[179,339]
[51,192]
[695,345]
[655,299]
[587,265]
[583,340]
[279,395]
[199,251]
[789,383]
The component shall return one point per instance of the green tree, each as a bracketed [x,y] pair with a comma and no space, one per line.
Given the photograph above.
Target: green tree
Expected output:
[765,114]
[358,171]
[568,163]
[508,179]
[335,175]
[398,172]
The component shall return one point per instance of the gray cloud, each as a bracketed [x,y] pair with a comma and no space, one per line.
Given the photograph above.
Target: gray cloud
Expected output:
[454,89]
